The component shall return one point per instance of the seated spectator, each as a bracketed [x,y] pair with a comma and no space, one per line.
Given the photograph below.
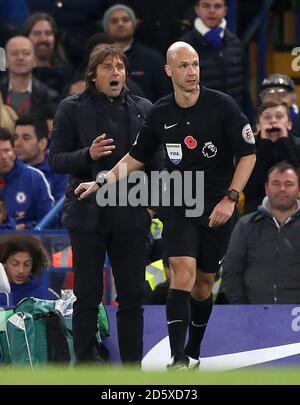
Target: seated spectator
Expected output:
[281,88]
[19,88]
[52,67]
[274,144]
[31,143]
[146,65]
[6,222]
[262,263]
[25,189]
[7,116]
[24,259]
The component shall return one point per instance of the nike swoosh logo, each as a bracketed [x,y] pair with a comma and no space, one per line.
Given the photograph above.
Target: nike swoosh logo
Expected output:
[159,356]
[176,320]
[170,126]
[198,326]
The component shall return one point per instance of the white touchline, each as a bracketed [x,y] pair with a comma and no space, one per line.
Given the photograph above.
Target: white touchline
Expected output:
[159,356]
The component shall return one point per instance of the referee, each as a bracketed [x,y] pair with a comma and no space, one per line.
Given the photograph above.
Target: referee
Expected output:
[208,133]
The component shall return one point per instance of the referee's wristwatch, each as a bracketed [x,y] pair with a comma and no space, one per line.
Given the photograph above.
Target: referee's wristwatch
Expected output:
[233,195]
[101,180]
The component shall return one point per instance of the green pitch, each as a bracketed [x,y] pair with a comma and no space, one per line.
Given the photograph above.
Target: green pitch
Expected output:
[129,376]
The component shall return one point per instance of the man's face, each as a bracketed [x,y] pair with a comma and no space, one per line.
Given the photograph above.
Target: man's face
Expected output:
[18,267]
[20,58]
[43,39]
[7,157]
[120,26]
[278,95]
[282,189]
[27,146]
[274,122]
[211,12]
[110,76]
[184,70]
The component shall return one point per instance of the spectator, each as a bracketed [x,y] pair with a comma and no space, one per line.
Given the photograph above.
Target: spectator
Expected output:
[31,143]
[77,21]
[25,189]
[274,144]
[19,88]
[51,63]
[24,259]
[222,63]
[146,65]
[262,262]
[281,88]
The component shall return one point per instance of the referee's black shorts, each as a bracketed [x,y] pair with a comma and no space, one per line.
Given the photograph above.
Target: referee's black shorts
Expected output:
[193,237]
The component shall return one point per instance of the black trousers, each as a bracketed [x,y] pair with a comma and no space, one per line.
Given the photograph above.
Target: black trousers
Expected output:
[123,233]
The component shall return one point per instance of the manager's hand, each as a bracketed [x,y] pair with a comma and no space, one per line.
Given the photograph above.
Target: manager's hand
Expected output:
[86,189]
[101,146]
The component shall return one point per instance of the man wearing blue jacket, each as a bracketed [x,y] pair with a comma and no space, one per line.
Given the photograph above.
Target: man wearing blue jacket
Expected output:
[25,189]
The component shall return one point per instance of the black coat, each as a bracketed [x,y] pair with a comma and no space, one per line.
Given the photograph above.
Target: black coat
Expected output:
[77,123]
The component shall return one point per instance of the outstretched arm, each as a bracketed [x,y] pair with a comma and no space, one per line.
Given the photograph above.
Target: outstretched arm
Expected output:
[121,170]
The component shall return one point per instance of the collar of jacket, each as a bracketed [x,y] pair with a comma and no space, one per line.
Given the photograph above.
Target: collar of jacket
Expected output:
[104,98]
[263,211]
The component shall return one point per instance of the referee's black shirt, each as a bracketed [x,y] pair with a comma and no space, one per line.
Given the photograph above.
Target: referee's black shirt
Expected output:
[209,136]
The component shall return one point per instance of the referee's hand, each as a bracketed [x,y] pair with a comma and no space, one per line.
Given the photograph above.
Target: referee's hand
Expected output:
[85,189]
[101,146]
[221,213]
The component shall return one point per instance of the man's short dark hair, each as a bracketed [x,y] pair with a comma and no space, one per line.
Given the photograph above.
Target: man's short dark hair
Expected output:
[98,58]
[5,135]
[39,125]
[282,167]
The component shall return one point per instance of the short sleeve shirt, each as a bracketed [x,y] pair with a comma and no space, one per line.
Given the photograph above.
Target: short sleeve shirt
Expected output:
[211,136]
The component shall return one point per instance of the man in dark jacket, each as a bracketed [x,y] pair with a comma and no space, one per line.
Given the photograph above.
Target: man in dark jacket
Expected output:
[262,262]
[19,88]
[221,56]
[92,131]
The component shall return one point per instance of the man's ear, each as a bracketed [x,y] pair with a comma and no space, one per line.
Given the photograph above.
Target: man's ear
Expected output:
[43,143]
[168,70]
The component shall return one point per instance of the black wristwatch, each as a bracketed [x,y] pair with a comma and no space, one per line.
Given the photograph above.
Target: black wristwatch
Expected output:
[233,195]
[101,180]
